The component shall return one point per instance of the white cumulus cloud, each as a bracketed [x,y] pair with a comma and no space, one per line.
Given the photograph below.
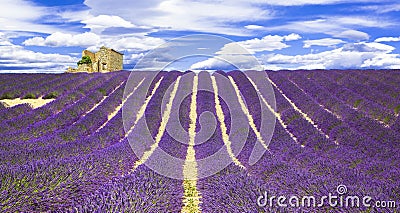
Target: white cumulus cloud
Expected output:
[356,55]
[101,22]
[228,62]
[240,54]
[387,39]
[336,26]
[59,39]
[93,41]
[15,56]
[128,43]
[268,43]
[292,37]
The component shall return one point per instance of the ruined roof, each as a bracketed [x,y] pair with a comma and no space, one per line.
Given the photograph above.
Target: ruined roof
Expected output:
[103,47]
[116,51]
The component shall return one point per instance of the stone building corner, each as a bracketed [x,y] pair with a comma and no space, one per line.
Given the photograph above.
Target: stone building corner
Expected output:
[105,60]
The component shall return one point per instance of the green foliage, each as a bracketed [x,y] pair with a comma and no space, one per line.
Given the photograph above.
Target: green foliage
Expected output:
[85,60]
[333,125]
[102,91]
[51,95]
[357,103]
[386,120]
[67,137]
[397,109]
[6,95]
[292,118]
[29,96]
[355,163]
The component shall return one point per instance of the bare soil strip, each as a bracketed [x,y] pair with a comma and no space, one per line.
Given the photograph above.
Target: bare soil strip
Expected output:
[161,129]
[191,196]
[142,109]
[35,103]
[248,115]
[221,119]
[277,115]
[305,116]
[117,109]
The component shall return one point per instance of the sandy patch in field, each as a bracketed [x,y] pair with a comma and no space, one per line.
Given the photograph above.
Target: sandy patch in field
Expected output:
[35,103]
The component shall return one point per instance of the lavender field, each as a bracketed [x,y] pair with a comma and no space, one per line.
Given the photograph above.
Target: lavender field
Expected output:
[74,154]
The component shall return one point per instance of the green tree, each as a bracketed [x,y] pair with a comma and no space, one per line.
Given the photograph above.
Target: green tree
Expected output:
[85,60]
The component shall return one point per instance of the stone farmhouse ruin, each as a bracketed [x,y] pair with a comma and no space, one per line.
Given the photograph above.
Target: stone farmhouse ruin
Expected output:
[105,60]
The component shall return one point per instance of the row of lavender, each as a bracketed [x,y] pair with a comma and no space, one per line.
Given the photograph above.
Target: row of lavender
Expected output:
[141,190]
[76,92]
[292,170]
[315,169]
[364,146]
[36,85]
[73,157]
[59,172]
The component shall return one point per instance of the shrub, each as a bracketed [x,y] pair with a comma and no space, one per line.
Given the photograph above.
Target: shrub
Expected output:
[29,96]
[386,120]
[397,109]
[103,91]
[51,95]
[6,95]
[85,60]
[357,103]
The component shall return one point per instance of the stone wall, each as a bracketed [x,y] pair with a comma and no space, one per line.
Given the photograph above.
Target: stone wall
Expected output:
[105,60]
[108,60]
[90,54]
[71,69]
[85,68]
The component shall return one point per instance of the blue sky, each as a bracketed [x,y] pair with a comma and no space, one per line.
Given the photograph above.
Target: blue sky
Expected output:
[49,35]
